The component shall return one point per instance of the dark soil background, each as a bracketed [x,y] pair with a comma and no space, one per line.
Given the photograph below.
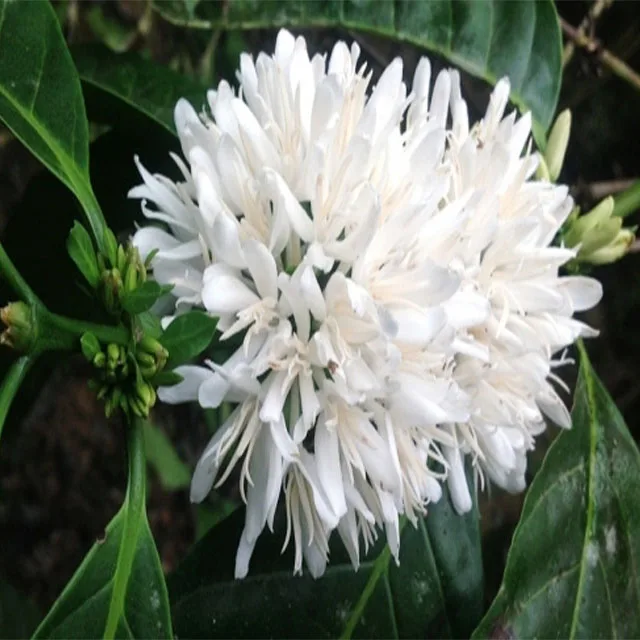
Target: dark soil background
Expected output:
[62,464]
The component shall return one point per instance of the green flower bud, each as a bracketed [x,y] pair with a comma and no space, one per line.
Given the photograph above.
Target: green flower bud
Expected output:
[110,290]
[102,392]
[145,393]
[615,249]
[20,332]
[99,360]
[90,346]
[599,234]
[113,356]
[121,262]
[111,247]
[138,407]
[542,172]
[113,401]
[557,144]
[130,277]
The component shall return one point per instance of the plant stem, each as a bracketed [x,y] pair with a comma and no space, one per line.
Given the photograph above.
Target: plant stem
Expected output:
[617,66]
[15,280]
[628,201]
[11,384]
[595,11]
[59,332]
[134,512]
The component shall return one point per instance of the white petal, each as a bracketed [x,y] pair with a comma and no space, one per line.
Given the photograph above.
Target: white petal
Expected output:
[187,389]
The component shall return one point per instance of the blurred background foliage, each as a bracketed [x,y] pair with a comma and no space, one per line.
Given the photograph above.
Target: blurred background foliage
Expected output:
[62,472]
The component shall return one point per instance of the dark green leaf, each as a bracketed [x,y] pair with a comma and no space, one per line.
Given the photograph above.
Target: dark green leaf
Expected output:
[487,38]
[140,85]
[142,297]
[149,324]
[166,379]
[41,99]
[119,588]
[82,252]
[18,616]
[572,571]
[188,336]
[436,591]
[162,457]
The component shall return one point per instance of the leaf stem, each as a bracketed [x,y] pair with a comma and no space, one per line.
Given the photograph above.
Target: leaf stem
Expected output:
[92,211]
[628,201]
[134,509]
[11,384]
[15,280]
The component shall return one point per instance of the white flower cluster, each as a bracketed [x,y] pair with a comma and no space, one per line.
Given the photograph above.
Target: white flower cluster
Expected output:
[387,272]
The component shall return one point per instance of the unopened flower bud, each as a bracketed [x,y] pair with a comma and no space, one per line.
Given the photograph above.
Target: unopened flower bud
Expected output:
[542,172]
[113,401]
[113,356]
[130,277]
[121,262]
[20,333]
[99,360]
[138,407]
[557,144]
[111,287]
[145,393]
[613,251]
[90,346]
[111,247]
[599,234]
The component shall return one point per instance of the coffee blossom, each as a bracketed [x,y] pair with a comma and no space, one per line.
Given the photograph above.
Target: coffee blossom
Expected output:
[386,274]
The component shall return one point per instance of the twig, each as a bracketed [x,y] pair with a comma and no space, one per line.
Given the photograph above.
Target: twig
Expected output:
[589,21]
[602,189]
[617,66]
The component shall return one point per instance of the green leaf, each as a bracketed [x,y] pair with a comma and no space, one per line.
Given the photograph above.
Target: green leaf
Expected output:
[142,297]
[435,592]
[572,570]
[18,615]
[82,252]
[149,324]
[487,38]
[162,457]
[119,589]
[166,379]
[138,84]
[41,99]
[188,336]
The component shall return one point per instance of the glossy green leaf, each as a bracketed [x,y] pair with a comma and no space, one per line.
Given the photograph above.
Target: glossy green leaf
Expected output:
[119,589]
[138,84]
[142,297]
[162,457]
[18,615]
[572,570]
[487,38]
[41,99]
[188,336]
[82,252]
[435,592]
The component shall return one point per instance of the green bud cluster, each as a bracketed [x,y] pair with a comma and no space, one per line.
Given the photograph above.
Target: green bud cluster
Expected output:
[20,332]
[599,234]
[121,272]
[123,375]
